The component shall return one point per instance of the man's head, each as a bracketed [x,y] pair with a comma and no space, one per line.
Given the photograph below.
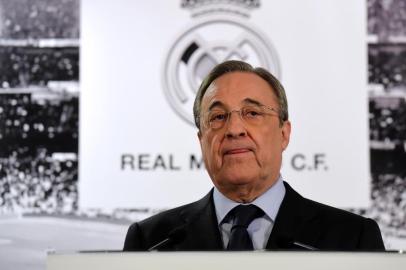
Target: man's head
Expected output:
[242,116]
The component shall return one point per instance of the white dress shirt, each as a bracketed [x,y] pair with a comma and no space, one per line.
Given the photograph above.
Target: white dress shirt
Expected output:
[260,228]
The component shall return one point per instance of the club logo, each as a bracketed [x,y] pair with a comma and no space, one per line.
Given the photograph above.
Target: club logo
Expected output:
[220,31]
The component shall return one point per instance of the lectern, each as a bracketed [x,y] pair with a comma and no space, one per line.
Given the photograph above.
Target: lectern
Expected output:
[308,260]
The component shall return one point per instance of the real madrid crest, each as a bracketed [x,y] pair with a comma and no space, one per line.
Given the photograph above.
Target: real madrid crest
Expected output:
[220,31]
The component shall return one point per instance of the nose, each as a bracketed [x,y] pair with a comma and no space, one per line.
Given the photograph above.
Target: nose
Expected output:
[235,126]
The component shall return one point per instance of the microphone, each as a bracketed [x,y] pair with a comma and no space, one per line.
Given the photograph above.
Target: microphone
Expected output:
[303,246]
[175,236]
[289,243]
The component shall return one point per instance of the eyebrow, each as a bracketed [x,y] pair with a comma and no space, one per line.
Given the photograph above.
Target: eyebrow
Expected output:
[245,101]
[252,101]
[216,104]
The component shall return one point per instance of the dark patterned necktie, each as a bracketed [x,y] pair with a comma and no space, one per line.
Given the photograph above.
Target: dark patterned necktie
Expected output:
[243,216]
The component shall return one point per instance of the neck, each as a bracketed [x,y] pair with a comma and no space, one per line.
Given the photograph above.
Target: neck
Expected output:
[244,193]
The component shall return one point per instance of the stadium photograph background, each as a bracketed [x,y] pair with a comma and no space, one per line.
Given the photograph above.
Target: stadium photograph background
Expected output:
[49,198]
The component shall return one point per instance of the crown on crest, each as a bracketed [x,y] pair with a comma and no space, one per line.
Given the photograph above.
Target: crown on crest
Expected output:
[203,7]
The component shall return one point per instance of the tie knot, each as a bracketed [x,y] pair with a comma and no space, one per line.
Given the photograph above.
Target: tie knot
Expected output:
[245,214]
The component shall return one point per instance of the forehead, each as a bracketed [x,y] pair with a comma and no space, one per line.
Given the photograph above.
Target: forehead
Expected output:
[232,89]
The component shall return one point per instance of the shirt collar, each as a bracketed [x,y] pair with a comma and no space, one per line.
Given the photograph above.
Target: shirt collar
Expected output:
[269,202]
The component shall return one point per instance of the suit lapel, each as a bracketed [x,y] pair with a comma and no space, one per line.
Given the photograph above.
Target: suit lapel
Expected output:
[295,221]
[202,232]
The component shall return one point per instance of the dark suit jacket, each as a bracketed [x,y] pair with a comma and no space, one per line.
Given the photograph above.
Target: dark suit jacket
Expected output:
[298,220]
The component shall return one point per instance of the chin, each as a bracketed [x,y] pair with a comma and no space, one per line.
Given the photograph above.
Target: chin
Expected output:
[239,178]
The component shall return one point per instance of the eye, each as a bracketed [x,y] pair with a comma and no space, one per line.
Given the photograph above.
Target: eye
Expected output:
[217,116]
[252,112]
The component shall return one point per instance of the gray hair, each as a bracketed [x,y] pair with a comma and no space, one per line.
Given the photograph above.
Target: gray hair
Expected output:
[240,66]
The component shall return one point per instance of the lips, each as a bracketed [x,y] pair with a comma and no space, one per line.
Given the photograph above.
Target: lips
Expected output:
[236,150]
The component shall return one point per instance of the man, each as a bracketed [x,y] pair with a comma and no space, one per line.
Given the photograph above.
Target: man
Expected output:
[242,116]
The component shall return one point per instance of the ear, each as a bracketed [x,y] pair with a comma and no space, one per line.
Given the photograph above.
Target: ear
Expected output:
[199,135]
[286,128]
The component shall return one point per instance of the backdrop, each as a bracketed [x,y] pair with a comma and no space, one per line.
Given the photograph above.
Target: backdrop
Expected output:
[141,68]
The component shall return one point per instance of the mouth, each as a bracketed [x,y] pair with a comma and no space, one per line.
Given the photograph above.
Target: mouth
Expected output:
[237,151]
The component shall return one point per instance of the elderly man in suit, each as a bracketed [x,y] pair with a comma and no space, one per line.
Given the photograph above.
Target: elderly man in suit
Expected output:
[241,113]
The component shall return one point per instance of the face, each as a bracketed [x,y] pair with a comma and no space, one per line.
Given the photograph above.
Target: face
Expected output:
[243,161]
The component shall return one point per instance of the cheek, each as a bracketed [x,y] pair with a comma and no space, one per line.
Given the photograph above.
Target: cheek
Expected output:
[271,145]
[215,147]
[210,150]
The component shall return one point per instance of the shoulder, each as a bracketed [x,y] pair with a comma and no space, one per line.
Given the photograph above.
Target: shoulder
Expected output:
[309,207]
[146,233]
[348,230]
[333,216]
[336,228]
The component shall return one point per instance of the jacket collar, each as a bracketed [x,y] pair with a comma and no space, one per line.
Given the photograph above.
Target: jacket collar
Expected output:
[201,227]
[296,221]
